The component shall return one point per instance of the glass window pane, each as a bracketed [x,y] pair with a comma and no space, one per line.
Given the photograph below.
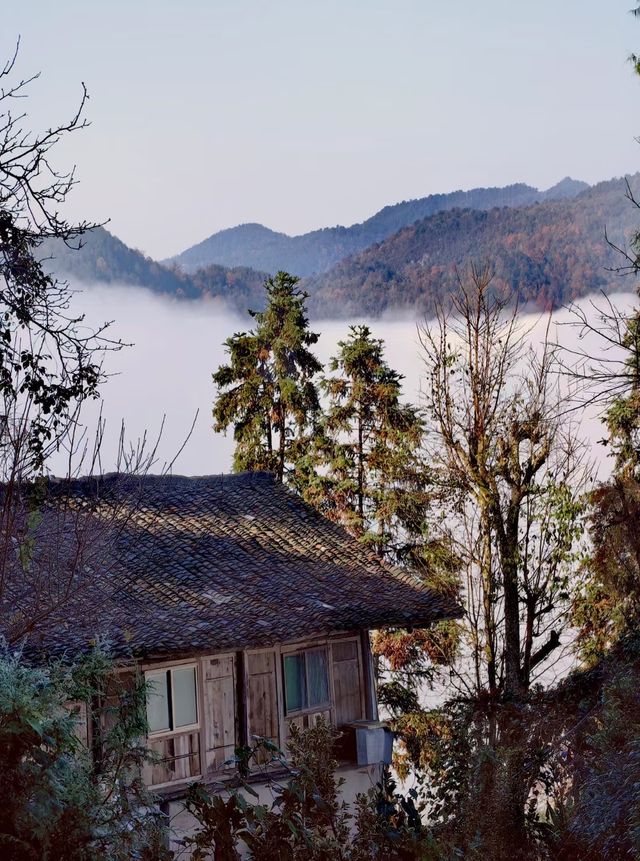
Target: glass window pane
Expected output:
[185,710]
[157,702]
[294,683]
[318,677]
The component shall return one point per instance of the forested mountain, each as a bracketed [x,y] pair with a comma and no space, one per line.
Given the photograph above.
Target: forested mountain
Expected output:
[260,248]
[550,253]
[103,258]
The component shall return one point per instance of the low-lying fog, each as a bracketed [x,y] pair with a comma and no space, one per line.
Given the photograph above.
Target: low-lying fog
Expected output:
[176,346]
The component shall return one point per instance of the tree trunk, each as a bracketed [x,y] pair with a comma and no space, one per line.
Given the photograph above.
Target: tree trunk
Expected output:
[488,605]
[512,832]
[513,688]
[281,442]
[268,433]
[360,470]
[507,534]
[496,813]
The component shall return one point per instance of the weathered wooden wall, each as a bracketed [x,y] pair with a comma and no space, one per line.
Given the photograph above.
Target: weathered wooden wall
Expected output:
[240,697]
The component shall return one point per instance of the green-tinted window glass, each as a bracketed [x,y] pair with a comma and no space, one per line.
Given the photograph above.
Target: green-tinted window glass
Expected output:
[295,683]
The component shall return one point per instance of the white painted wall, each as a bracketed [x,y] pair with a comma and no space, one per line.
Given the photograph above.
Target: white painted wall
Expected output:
[357,780]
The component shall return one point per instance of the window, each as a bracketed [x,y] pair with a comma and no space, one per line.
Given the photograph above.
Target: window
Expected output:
[172,702]
[306,680]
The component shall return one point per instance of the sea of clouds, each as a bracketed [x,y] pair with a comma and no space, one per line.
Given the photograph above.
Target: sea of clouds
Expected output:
[164,378]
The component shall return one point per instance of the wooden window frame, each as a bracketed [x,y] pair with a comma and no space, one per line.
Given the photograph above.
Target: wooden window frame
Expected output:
[328,704]
[241,670]
[169,668]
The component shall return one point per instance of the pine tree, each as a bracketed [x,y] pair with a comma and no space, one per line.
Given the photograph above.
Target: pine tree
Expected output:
[267,389]
[364,469]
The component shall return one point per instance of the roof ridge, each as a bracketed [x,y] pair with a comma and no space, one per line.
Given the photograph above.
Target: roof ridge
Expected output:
[250,476]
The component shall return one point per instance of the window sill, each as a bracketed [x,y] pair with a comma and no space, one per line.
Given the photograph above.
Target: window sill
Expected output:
[314,710]
[177,790]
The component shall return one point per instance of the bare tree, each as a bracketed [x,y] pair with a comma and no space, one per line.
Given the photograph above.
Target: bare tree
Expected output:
[56,542]
[514,472]
[50,361]
[514,469]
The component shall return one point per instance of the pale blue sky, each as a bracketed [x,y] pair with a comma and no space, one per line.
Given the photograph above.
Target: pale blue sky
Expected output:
[307,113]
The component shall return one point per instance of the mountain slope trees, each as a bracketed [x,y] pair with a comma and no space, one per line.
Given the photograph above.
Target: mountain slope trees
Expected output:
[548,254]
[256,246]
[105,259]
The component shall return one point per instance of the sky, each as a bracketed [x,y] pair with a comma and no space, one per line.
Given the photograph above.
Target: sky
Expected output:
[302,114]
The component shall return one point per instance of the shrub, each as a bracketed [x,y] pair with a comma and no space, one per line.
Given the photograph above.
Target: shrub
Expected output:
[307,820]
[56,800]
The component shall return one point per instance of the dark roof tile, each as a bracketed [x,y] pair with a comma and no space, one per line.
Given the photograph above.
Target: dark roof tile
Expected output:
[223,562]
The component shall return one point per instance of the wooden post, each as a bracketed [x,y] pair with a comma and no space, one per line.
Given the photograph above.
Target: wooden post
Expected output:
[242,734]
[371,697]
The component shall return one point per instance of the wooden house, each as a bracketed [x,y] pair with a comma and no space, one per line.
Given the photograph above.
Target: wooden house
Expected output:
[247,611]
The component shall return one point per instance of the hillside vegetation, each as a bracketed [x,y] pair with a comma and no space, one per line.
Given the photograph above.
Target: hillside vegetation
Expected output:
[550,253]
[103,258]
[260,248]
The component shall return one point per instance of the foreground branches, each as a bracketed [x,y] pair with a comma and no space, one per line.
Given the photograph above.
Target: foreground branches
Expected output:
[514,469]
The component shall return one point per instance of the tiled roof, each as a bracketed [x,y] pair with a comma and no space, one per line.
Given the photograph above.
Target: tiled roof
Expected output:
[194,565]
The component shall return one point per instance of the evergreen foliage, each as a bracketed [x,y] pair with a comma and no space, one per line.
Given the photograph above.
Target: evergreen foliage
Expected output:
[607,606]
[57,801]
[365,469]
[267,391]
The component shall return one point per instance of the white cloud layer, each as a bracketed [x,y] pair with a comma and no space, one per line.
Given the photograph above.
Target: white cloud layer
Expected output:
[176,346]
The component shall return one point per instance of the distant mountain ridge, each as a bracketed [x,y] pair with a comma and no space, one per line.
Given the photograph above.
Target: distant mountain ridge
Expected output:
[549,254]
[105,259]
[258,247]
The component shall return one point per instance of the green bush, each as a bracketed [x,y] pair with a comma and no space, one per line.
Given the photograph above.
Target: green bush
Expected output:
[57,801]
[307,819]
